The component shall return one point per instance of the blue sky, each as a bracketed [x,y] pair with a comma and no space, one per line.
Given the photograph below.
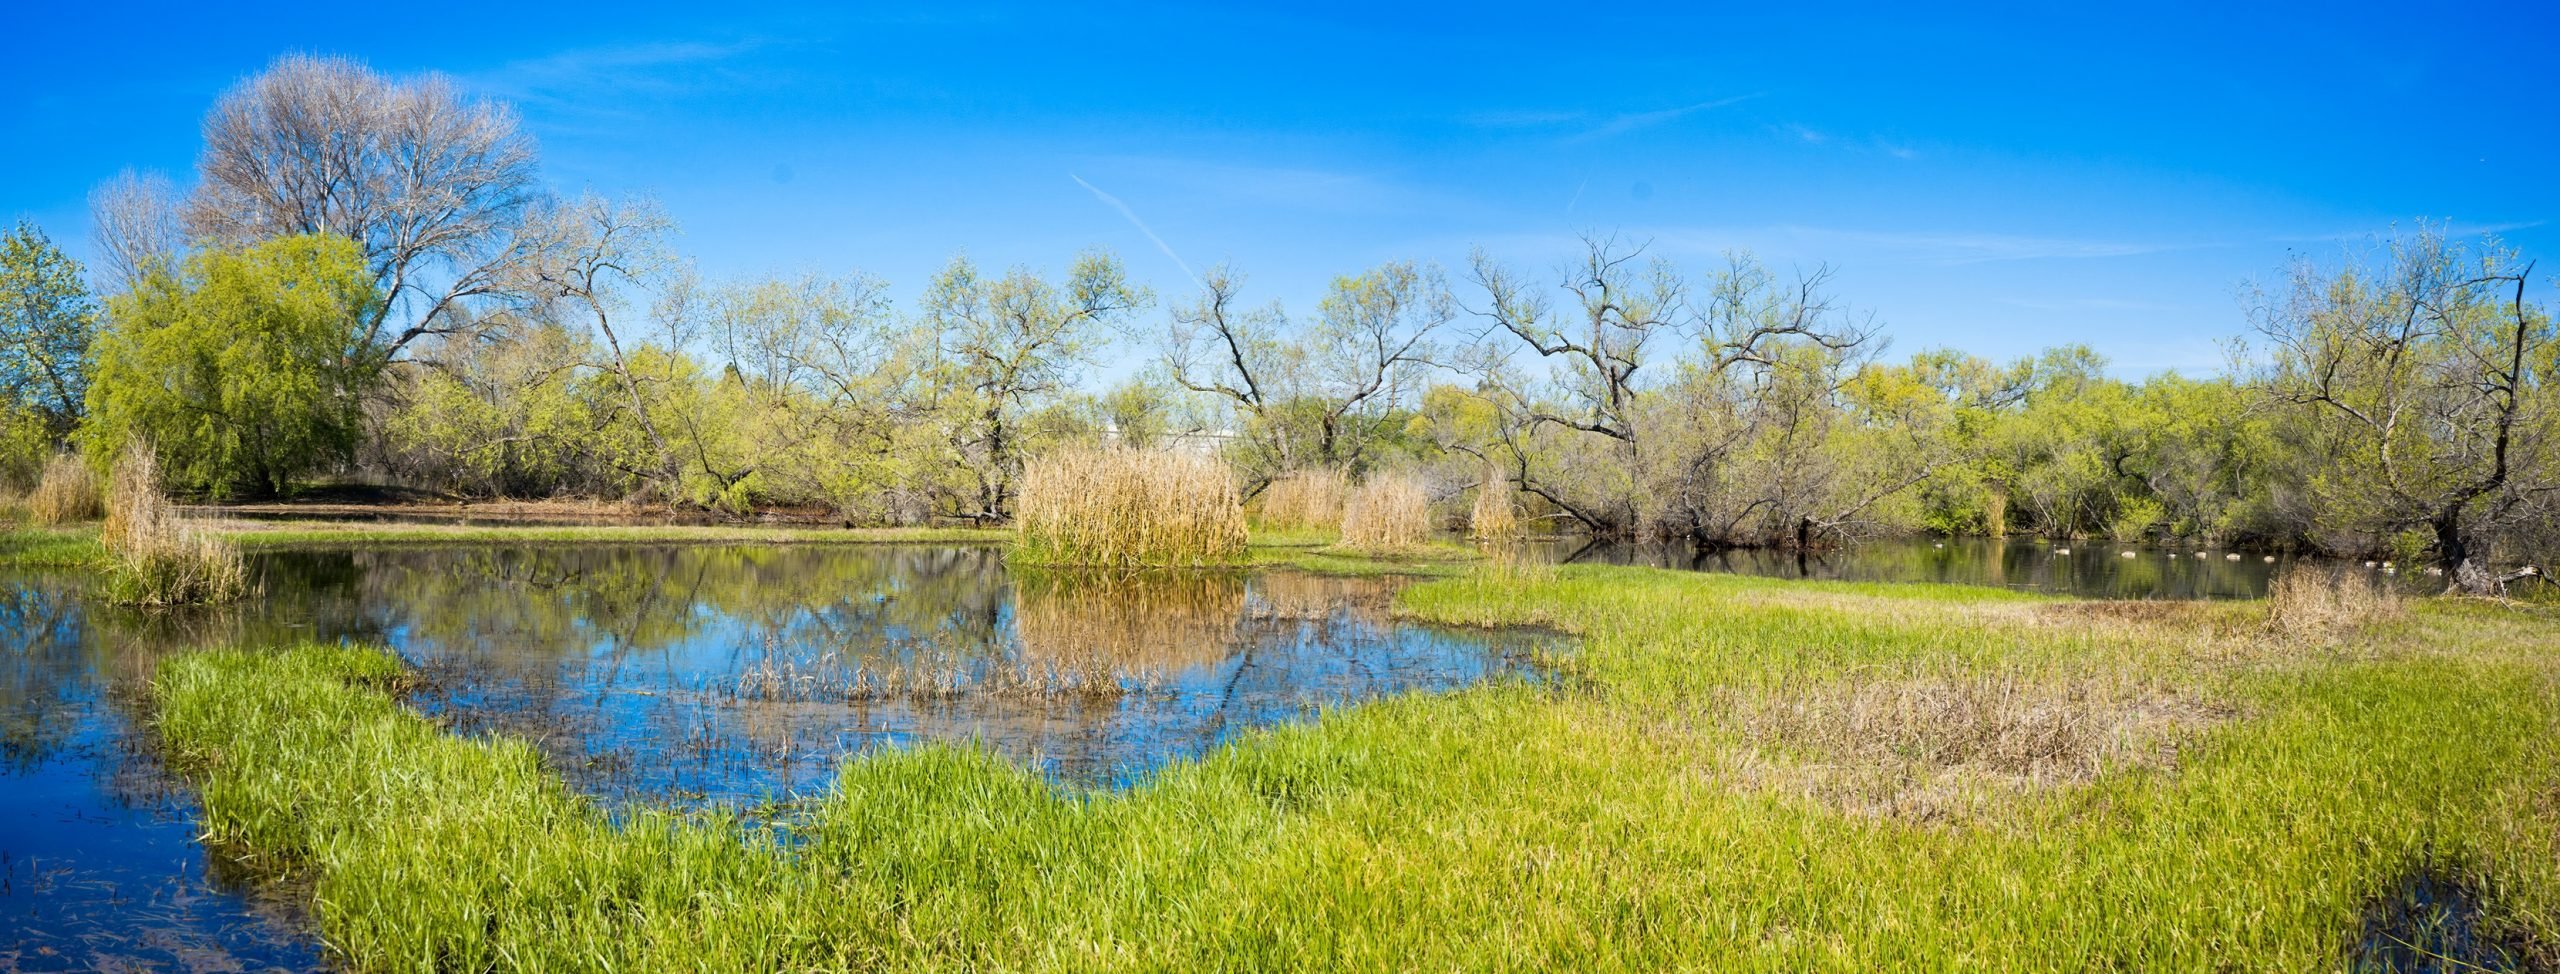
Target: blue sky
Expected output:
[1998,180]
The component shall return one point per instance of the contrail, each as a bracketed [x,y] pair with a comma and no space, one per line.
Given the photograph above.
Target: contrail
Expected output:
[1140,224]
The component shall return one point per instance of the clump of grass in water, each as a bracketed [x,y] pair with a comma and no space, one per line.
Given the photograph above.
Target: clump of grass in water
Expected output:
[156,557]
[1389,514]
[1304,500]
[1121,508]
[67,493]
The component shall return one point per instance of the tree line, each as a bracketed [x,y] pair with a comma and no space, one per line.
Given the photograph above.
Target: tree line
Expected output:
[366,276]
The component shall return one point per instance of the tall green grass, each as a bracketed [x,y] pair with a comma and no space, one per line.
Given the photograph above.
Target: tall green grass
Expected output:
[1730,774]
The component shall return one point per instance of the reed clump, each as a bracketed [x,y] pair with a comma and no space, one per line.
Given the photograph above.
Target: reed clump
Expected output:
[1125,508]
[1496,516]
[2316,602]
[1389,513]
[66,493]
[155,556]
[1306,500]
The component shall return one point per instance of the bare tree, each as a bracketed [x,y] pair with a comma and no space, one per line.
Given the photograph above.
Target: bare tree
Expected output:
[1622,454]
[1313,397]
[2427,384]
[432,186]
[583,260]
[135,219]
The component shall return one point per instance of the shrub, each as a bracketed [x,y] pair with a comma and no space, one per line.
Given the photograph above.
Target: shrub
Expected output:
[1390,512]
[158,558]
[1127,508]
[1305,499]
[67,493]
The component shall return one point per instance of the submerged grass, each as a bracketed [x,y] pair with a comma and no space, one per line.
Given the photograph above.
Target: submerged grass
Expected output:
[1728,782]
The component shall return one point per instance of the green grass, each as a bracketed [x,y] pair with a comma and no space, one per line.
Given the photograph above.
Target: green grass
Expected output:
[1740,774]
[34,547]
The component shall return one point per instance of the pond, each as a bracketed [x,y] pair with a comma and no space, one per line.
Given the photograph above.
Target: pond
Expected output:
[2091,569]
[667,675]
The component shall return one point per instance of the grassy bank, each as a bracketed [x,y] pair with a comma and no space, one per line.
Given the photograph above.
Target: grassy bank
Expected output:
[1739,774]
[38,547]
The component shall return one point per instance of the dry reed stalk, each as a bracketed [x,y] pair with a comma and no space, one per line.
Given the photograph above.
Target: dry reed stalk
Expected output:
[1497,512]
[159,557]
[1309,499]
[1128,508]
[67,493]
[2321,602]
[1390,512]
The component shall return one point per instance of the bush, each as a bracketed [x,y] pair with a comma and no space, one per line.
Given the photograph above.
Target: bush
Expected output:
[1127,508]
[158,558]
[1390,512]
[67,493]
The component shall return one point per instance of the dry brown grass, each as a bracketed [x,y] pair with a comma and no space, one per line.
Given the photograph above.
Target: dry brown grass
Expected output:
[67,493]
[2325,602]
[1929,749]
[1496,516]
[159,557]
[1305,500]
[1126,508]
[1389,513]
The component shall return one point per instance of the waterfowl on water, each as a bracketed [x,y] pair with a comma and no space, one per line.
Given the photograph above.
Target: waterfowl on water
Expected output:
[2127,554]
[2061,551]
[2234,556]
[2270,559]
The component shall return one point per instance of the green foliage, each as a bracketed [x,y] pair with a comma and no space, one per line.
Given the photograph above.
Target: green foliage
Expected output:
[243,367]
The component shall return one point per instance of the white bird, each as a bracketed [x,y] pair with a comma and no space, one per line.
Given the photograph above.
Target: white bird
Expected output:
[2173,556]
[2270,559]
[2061,551]
[2368,564]
[2234,556]
[2389,565]
[2127,554]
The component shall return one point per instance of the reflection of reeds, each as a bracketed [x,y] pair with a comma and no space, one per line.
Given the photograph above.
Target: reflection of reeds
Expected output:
[159,557]
[1305,500]
[1133,626]
[67,493]
[1124,508]
[1390,512]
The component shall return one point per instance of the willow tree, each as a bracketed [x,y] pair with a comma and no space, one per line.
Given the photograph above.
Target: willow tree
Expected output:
[234,365]
[2424,388]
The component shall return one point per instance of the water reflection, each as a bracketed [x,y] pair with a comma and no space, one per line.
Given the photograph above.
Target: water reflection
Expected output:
[669,674]
[2093,569]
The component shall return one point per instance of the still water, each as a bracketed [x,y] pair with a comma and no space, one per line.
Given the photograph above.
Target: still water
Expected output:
[683,676]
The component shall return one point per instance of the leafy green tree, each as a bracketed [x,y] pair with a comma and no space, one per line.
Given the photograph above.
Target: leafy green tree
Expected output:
[47,317]
[236,365]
